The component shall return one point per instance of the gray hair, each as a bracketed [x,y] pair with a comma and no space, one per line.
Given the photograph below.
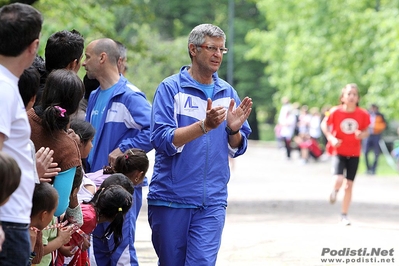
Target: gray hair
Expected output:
[198,34]
[122,50]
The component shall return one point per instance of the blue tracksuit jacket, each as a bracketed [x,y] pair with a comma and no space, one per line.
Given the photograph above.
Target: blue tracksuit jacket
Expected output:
[197,173]
[125,124]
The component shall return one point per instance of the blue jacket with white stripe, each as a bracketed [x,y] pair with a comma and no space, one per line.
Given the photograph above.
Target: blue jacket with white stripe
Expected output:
[125,123]
[197,173]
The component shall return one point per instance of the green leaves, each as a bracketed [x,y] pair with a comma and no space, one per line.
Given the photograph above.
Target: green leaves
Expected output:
[314,48]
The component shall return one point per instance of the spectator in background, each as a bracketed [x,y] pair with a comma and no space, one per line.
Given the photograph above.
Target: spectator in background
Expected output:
[122,61]
[372,142]
[20,29]
[285,108]
[309,142]
[325,111]
[395,150]
[287,131]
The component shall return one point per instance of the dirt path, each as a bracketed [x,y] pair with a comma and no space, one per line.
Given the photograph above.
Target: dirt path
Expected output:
[279,214]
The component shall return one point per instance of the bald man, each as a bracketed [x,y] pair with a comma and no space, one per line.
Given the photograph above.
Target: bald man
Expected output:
[120,113]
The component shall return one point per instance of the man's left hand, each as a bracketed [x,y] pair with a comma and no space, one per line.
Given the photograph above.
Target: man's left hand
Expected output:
[237,117]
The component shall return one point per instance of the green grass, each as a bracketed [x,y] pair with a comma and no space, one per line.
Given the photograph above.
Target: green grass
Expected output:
[383,168]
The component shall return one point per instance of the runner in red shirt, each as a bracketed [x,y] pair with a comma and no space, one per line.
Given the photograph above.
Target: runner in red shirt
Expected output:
[344,127]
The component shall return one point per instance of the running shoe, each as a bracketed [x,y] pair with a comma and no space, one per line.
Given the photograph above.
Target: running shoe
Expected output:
[345,221]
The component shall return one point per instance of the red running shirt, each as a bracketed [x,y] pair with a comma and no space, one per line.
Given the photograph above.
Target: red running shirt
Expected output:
[343,126]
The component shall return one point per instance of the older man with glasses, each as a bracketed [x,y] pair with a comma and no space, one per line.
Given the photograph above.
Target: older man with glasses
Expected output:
[198,121]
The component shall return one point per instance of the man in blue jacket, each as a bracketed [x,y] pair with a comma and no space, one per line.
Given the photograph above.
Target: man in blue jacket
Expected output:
[120,113]
[197,122]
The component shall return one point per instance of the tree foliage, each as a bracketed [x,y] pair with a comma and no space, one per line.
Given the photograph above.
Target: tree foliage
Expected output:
[150,58]
[313,48]
[155,33]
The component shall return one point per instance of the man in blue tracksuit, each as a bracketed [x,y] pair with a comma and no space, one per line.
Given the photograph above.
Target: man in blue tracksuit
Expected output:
[120,113]
[197,121]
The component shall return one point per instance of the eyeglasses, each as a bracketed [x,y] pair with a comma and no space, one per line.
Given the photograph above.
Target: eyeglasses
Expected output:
[214,49]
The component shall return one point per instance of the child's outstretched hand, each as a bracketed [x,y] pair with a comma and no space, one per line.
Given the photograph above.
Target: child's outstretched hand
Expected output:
[64,234]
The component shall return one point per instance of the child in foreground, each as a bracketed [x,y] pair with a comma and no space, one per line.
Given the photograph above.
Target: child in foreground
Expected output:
[109,204]
[134,165]
[44,204]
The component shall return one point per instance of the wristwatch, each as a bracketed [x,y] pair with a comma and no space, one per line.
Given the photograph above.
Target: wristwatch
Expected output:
[230,131]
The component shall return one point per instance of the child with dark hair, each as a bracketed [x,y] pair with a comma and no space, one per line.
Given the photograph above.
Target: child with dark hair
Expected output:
[44,203]
[118,179]
[83,189]
[109,204]
[40,66]
[10,176]
[28,85]
[49,122]
[52,240]
[83,133]
[134,165]
[74,216]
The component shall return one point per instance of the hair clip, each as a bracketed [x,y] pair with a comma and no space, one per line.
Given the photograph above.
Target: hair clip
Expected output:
[131,152]
[62,110]
[119,209]
[126,156]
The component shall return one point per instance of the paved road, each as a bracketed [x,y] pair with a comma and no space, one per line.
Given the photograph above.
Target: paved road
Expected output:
[279,214]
